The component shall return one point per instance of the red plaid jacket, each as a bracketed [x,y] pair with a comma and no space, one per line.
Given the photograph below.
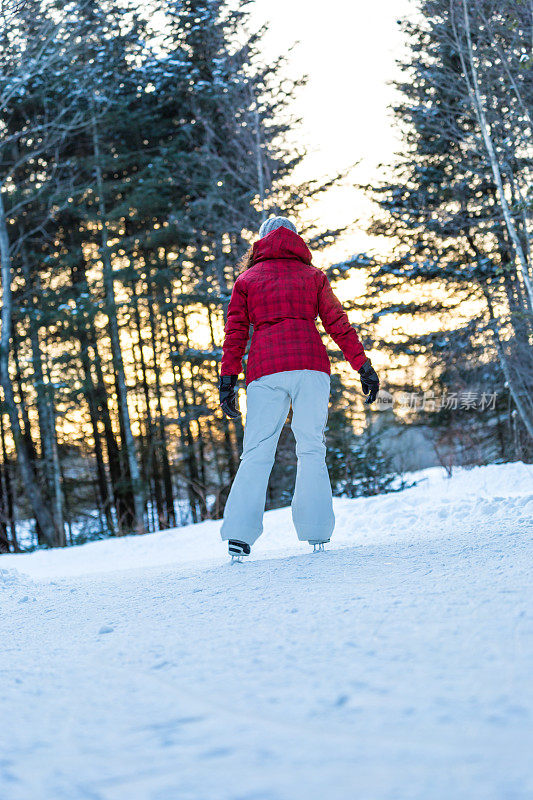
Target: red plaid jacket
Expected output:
[281,295]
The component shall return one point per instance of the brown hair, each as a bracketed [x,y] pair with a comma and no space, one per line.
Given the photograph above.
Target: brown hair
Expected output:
[246,261]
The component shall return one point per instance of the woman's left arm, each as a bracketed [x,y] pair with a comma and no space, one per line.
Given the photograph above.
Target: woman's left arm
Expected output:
[338,325]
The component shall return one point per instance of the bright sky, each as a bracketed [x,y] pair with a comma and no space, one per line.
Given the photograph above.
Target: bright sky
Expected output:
[348,49]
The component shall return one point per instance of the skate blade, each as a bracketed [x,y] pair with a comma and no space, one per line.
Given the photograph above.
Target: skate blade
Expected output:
[319,548]
[236,559]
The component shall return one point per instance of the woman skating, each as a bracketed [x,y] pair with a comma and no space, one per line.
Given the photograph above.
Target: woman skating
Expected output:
[281,294]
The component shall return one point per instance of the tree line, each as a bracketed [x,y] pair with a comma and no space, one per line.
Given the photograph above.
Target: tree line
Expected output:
[141,146]
[456,206]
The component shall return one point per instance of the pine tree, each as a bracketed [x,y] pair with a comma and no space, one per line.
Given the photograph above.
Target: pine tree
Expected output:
[461,274]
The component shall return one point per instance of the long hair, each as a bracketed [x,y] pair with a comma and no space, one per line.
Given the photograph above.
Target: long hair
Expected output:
[246,261]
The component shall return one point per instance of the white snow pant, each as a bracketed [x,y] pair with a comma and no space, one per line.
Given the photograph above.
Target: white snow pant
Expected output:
[268,401]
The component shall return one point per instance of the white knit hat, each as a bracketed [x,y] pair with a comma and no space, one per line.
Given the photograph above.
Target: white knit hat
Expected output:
[274,223]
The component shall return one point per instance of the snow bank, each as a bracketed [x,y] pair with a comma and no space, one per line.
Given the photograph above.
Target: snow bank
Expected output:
[436,504]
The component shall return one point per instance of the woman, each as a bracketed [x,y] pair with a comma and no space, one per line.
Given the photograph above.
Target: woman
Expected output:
[281,294]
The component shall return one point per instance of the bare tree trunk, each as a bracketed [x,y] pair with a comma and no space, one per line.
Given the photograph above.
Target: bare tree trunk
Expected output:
[163,444]
[57,491]
[119,481]
[195,400]
[119,493]
[31,488]
[4,541]
[471,77]
[46,413]
[8,484]
[516,394]
[22,405]
[153,463]
[118,364]
[187,438]
[147,455]
[84,332]
[106,496]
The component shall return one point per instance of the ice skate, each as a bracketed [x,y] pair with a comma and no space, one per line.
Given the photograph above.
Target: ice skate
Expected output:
[318,545]
[238,550]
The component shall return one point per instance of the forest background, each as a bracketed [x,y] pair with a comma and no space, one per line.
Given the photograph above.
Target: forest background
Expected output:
[141,147]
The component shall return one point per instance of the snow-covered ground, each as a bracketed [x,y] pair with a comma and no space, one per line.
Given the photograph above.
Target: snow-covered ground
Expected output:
[395,666]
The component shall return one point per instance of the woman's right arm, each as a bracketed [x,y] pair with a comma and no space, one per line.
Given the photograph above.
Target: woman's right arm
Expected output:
[236,331]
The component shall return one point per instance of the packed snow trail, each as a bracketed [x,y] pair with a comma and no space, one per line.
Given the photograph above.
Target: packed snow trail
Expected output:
[395,666]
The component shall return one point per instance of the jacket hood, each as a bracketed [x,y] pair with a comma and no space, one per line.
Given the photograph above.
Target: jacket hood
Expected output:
[281,243]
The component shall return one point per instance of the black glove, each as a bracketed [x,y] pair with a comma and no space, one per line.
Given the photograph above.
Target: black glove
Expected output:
[228,397]
[369,381]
